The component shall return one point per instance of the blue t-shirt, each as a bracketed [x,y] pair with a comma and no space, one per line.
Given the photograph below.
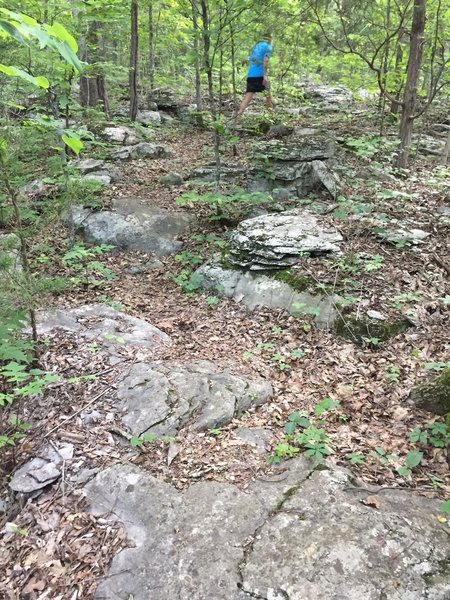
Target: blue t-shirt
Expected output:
[256,59]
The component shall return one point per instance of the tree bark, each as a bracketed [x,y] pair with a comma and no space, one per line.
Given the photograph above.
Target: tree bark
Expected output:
[412,79]
[198,81]
[93,88]
[134,60]
[151,46]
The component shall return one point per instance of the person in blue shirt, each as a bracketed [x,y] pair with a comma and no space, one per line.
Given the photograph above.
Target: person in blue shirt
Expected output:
[258,72]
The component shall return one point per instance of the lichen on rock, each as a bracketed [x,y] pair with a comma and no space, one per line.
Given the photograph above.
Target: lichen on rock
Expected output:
[434,395]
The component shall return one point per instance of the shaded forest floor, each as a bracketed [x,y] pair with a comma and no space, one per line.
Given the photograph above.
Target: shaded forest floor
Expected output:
[371,382]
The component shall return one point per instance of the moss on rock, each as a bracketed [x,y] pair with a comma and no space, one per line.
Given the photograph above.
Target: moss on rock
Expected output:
[434,395]
[299,283]
[359,331]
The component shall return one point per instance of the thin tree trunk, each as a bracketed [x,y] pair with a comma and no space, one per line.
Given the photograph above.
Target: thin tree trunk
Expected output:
[151,46]
[412,79]
[208,68]
[385,68]
[395,106]
[93,89]
[198,81]
[446,151]
[134,60]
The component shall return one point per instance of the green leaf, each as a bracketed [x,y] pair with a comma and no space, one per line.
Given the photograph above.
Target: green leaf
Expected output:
[12,31]
[41,82]
[445,507]
[413,459]
[72,141]
[60,32]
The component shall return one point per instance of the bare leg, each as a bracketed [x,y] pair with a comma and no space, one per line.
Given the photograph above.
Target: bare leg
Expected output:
[245,102]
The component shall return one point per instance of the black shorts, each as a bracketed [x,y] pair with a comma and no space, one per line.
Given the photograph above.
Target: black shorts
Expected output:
[255,84]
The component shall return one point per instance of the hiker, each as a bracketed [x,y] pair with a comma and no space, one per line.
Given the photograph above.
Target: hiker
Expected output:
[258,72]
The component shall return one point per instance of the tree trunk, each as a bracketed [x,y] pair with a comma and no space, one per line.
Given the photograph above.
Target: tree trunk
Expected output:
[446,152]
[93,88]
[395,106]
[208,68]
[412,79]
[198,81]
[151,45]
[133,60]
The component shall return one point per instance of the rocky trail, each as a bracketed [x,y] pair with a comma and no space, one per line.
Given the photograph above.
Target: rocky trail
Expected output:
[169,462]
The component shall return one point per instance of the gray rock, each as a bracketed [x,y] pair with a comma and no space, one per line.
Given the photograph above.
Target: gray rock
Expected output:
[375,314]
[261,438]
[428,145]
[254,289]
[277,241]
[42,470]
[403,235]
[229,172]
[107,326]
[325,97]
[34,476]
[134,226]
[162,399]
[121,135]
[38,189]
[166,118]
[148,117]
[99,176]
[10,250]
[142,150]
[171,179]
[306,536]
[88,165]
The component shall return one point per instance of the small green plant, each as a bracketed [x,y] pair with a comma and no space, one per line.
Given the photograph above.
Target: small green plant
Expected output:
[212,301]
[314,441]
[216,432]
[280,362]
[189,258]
[401,299]
[281,451]
[356,458]
[437,366]
[364,147]
[138,441]
[87,271]
[392,373]
[376,262]
[445,507]
[276,330]
[327,404]
[412,460]
[381,455]
[296,419]
[435,434]
[226,207]
[189,282]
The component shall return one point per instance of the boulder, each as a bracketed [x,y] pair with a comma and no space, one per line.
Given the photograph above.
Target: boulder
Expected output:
[276,241]
[162,399]
[10,254]
[308,535]
[253,290]
[109,328]
[300,165]
[88,165]
[148,117]
[121,135]
[434,395]
[171,179]
[142,150]
[325,97]
[133,225]
[41,471]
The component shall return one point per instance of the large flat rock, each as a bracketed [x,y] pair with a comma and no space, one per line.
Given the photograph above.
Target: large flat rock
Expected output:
[102,323]
[275,241]
[162,399]
[134,224]
[254,289]
[304,535]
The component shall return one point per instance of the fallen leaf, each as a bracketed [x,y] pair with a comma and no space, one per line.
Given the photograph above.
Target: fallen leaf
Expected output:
[371,501]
